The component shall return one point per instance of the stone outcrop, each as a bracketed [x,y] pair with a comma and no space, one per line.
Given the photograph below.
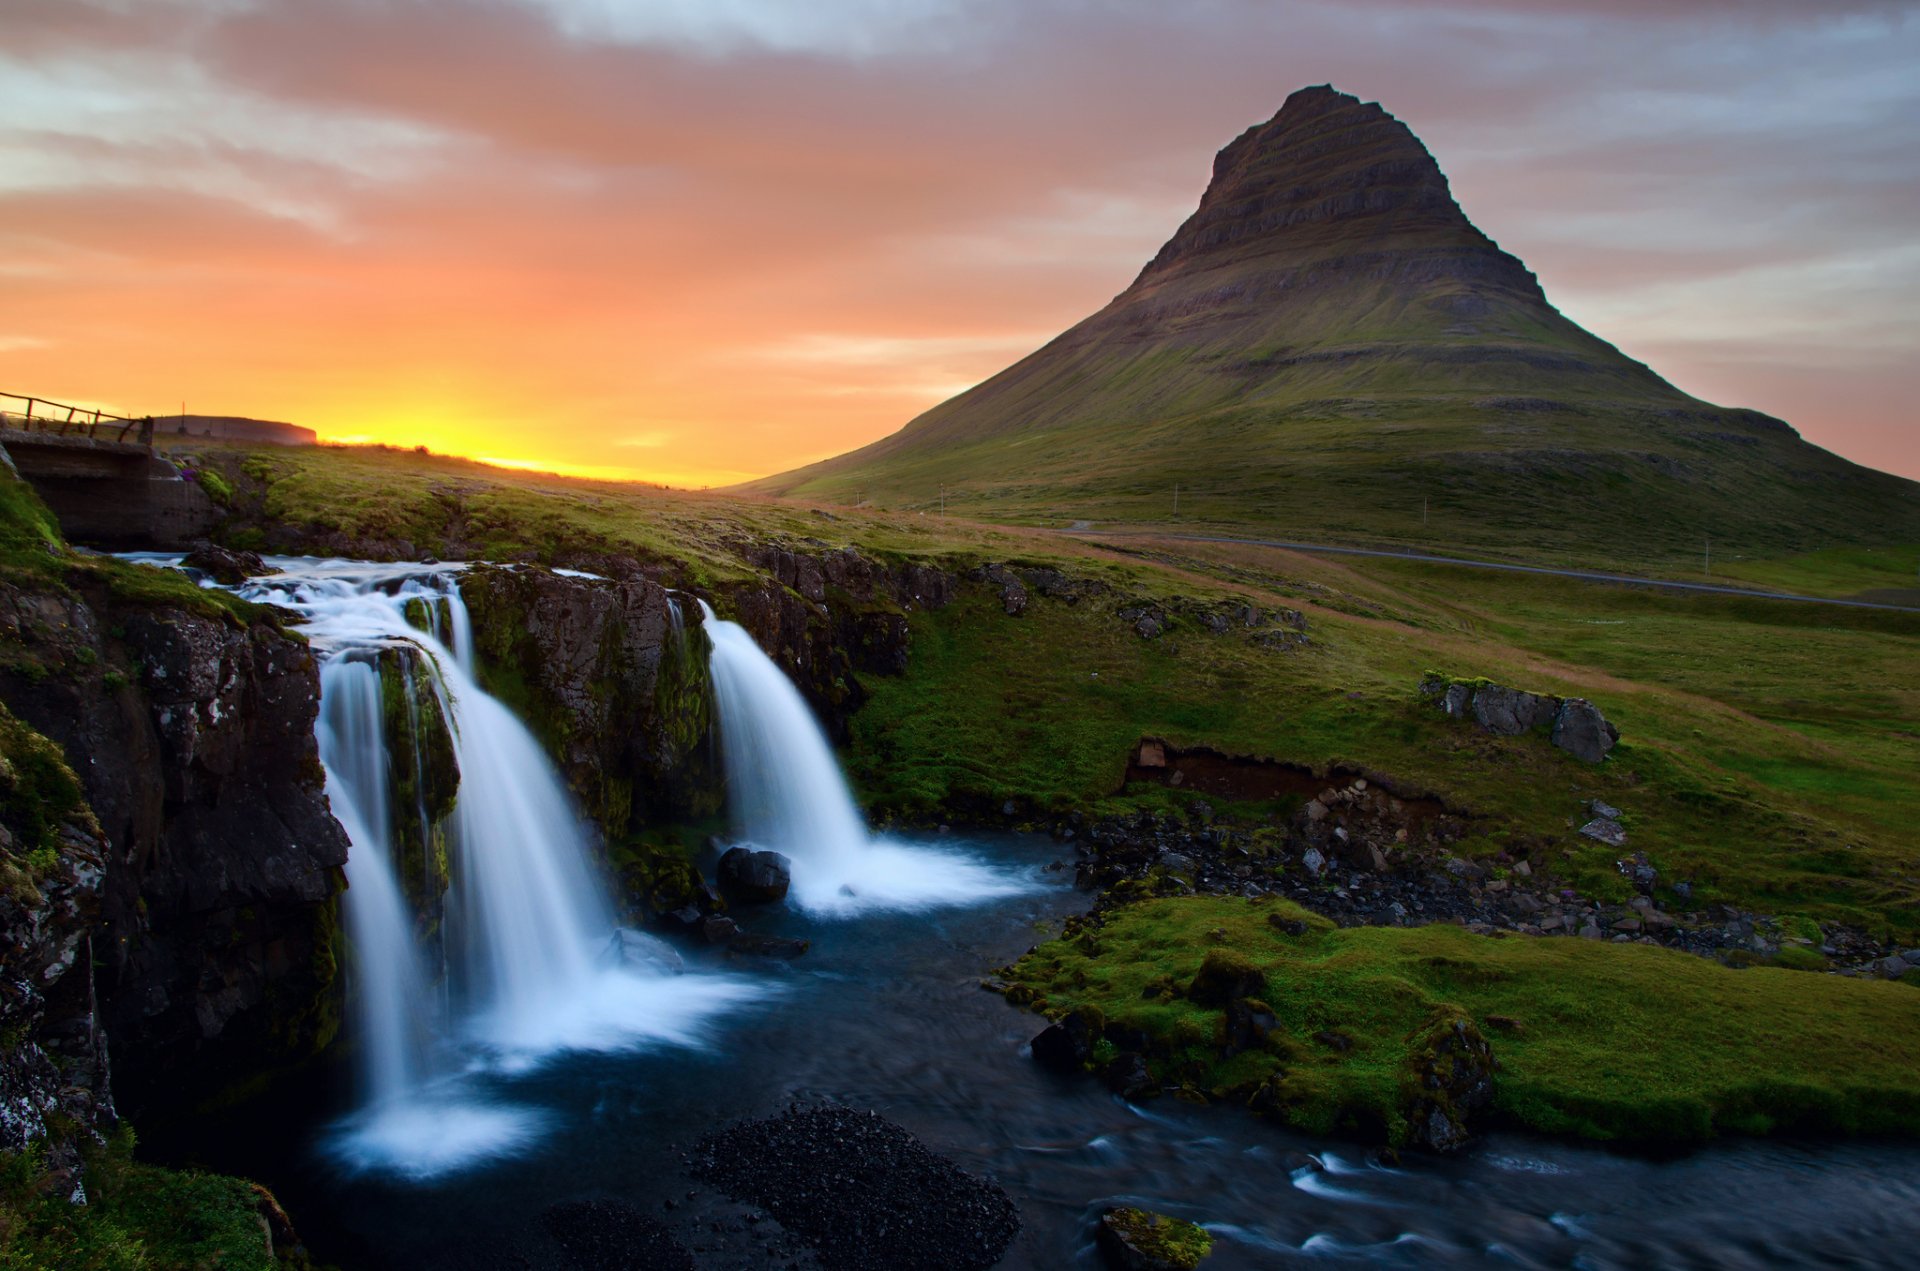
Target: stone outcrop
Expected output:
[758,877]
[611,673]
[191,729]
[1573,724]
[826,615]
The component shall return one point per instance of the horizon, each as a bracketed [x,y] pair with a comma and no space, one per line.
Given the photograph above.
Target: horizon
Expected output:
[697,247]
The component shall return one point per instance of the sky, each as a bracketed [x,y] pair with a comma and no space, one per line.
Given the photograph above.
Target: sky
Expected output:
[695,241]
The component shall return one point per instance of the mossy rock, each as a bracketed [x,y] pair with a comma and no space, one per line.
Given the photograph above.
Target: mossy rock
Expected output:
[1141,1240]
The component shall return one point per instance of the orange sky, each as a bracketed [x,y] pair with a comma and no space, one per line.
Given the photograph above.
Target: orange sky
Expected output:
[700,243]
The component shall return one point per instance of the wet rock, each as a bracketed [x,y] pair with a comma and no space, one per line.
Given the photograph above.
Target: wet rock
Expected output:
[224,565]
[686,918]
[718,929]
[862,1191]
[1140,1240]
[630,948]
[760,877]
[1066,1044]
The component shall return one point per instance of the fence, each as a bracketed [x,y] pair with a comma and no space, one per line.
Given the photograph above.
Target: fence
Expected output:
[58,417]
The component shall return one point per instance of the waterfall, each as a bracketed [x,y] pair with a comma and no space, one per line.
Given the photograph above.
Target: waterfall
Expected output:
[534,965]
[387,982]
[786,792]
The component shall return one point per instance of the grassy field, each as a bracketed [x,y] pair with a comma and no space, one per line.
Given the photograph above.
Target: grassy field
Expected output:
[1627,1043]
[1768,747]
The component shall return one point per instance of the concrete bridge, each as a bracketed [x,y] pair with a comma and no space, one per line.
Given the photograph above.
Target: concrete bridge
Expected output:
[107,492]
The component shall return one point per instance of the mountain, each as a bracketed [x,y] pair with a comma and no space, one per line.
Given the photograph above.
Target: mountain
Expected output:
[1329,348]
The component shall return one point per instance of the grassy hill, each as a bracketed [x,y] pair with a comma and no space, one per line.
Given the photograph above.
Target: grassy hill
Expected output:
[1329,349]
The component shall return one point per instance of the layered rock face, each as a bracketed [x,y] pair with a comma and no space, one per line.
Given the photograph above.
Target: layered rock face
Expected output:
[193,739]
[611,680]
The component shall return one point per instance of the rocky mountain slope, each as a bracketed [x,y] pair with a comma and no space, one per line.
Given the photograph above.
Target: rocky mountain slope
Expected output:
[1329,347]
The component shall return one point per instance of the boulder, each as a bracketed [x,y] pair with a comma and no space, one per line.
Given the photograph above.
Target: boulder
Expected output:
[752,875]
[1066,1044]
[225,566]
[1510,712]
[1140,1240]
[1582,731]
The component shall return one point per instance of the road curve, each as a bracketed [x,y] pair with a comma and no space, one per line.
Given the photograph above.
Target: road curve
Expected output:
[1584,575]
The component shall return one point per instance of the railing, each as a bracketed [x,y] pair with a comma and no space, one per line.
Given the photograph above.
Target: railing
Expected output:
[83,420]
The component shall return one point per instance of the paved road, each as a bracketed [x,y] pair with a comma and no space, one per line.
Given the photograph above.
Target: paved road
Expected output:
[1584,575]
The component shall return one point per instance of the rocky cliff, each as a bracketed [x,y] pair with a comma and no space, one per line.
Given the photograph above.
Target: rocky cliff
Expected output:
[190,724]
[53,1061]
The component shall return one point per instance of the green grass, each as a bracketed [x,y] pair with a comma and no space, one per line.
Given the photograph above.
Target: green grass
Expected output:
[139,1218]
[1617,1042]
[1766,755]
[33,555]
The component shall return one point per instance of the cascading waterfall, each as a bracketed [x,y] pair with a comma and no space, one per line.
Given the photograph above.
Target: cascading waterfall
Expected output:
[388,982]
[786,792]
[536,966]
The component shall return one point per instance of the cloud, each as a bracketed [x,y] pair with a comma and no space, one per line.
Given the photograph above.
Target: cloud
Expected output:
[520,226]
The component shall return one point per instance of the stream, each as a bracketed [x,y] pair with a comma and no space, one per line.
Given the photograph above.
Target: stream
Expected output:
[885,1012]
[448,1122]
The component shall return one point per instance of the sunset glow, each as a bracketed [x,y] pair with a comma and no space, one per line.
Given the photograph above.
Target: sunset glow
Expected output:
[696,244]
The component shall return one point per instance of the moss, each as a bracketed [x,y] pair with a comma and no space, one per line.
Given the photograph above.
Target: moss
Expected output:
[1623,1042]
[1799,958]
[1173,1242]
[216,486]
[39,793]
[138,1217]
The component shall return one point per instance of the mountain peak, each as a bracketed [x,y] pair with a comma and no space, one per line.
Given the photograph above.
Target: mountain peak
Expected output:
[1328,346]
[1327,173]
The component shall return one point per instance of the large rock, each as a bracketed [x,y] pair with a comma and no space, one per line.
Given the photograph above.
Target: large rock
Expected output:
[757,876]
[1510,712]
[1066,1044]
[1574,724]
[1582,731]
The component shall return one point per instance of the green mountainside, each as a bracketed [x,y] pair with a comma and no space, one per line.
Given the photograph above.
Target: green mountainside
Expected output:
[1328,349]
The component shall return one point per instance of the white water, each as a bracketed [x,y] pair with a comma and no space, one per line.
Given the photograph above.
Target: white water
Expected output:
[786,793]
[530,928]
